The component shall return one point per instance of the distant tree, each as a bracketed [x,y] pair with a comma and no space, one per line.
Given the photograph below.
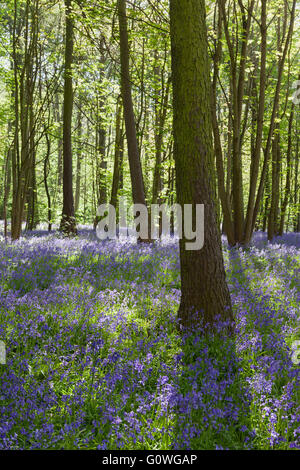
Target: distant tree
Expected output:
[24,57]
[68,223]
[138,190]
[117,156]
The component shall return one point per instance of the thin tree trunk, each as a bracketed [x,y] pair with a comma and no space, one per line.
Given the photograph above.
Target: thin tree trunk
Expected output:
[272,225]
[255,157]
[288,173]
[296,198]
[68,223]
[24,53]
[224,196]
[274,114]
[161,114]
[238,85]
[138,190]
[46,171]
[32,203]
[118,143]
[78,165]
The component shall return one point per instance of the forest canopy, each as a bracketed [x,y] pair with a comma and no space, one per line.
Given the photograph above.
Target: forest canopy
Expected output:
[56,52]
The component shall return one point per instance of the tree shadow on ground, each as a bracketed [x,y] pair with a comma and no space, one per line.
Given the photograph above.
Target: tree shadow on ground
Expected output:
[213,404]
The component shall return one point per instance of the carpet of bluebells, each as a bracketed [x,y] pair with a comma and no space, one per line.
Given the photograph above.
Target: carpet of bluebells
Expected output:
[95,360]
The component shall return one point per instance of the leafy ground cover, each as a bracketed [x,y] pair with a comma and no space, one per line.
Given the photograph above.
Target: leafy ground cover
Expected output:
[95,361]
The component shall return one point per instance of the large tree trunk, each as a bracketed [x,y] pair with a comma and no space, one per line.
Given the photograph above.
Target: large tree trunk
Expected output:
[68,223]
[203,284]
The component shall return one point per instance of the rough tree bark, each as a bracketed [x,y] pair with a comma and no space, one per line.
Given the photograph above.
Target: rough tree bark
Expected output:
[203,283]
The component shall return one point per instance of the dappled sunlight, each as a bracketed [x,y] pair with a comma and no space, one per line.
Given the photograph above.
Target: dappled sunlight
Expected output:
[95,359]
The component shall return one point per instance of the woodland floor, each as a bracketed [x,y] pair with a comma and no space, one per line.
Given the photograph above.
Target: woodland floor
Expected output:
[94,359]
